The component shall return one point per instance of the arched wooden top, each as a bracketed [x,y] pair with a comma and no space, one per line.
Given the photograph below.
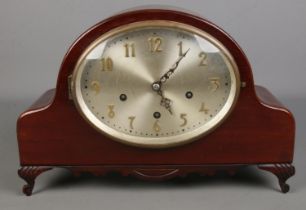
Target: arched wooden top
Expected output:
[97,30]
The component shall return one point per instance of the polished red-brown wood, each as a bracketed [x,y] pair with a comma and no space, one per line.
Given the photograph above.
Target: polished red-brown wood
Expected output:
[260,130]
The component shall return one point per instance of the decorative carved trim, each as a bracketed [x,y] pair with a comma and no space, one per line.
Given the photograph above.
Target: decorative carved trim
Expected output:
[282,171]
[29,174]
[155,173]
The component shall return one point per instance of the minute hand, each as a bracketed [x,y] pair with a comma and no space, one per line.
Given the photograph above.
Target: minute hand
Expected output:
[167,75]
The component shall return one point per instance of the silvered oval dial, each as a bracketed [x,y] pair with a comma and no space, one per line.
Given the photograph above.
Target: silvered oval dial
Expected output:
[155,84]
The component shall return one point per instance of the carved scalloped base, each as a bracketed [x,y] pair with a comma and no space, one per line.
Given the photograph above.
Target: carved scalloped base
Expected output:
[282,171]
[156,173]
[29,174]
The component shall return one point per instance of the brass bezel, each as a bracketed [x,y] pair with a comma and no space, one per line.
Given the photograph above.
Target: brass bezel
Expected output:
[154,142]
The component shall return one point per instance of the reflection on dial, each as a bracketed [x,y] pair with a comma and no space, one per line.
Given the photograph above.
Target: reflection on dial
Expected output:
[113,83]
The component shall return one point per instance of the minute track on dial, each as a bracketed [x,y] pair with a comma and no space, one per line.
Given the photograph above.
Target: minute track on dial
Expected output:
[169,82]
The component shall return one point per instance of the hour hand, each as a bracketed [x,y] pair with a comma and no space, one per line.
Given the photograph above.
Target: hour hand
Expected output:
[166,102]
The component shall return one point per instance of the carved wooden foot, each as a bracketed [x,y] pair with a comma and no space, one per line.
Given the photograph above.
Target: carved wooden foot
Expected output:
[282,171]
[29,174]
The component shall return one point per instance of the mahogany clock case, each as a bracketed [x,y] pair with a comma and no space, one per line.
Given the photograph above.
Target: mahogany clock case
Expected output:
[260,130]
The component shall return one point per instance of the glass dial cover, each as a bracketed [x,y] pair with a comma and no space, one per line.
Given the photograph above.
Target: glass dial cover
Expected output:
[155,83]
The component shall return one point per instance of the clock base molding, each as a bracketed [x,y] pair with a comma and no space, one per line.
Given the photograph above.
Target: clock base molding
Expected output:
[283,171]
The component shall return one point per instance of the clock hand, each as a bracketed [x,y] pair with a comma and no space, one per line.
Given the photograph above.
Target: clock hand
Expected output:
[167,75]
[156,86]
[165,102]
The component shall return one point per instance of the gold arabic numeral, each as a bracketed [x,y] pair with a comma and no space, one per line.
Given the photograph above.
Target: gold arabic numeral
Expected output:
[203,57]
[180,45]
[111,113]
[155,44]
[156,126]
[107,64]
[183,117]
[129,50]
[95,86]
[203,108]
[214,83]
[132,118]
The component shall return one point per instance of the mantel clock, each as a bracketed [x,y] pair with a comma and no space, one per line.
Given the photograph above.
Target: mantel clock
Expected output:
[155,94]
